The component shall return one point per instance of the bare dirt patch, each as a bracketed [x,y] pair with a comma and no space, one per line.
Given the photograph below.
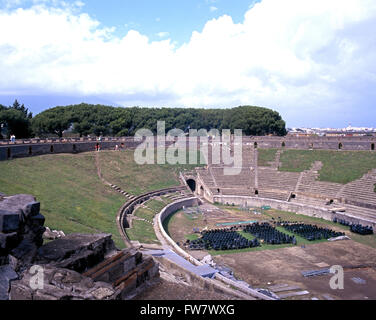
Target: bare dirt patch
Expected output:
[270,267]
[165,290]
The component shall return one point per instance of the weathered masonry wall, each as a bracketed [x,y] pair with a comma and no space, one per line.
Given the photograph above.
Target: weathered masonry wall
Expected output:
[10,151]
[177,205]
[31,147]
[323,143]
[290,207]
[170,209]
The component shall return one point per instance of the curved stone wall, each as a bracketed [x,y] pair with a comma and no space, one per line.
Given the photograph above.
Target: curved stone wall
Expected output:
[298,208]
[31,147]
[177,205]
[129,206]
[167,211]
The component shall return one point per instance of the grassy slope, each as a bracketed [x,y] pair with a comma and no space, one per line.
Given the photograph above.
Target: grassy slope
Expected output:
[338,166]
[142,232]
[72,197]
[144,213]
[155,205]
[120,168]
[265,156]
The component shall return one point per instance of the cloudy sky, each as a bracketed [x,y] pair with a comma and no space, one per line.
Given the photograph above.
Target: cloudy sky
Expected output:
[314,61]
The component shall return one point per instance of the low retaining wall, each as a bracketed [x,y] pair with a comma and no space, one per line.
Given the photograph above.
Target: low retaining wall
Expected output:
[307,210]
[167,211]
[360,204]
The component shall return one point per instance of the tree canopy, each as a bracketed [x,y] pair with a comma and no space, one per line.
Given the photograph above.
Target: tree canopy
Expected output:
[15,120]
[85,119]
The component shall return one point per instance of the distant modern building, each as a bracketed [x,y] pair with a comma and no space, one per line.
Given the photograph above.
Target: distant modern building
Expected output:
[332,132]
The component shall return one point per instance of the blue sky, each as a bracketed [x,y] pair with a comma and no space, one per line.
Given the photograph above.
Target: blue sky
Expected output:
[156,19]
[177,18]
[314,61]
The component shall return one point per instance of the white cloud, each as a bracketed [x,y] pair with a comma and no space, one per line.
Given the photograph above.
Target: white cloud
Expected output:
[212,9]
[163,34]
[300,57]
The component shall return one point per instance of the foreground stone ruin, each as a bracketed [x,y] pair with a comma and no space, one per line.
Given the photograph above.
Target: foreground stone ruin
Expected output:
[74,267]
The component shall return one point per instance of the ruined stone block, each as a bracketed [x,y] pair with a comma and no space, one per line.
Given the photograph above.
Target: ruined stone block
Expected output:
[105,277]
[8,240]
[61,284]
[154,271]
[129,264]
[32,209]
[25,250]
[7,274]
[138,257]
[116,272]
[78,252]
[38,220]
[19,291]
[9,221]
[128,286]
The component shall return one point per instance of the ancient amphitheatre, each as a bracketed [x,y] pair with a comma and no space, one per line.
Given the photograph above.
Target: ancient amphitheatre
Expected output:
[314,181]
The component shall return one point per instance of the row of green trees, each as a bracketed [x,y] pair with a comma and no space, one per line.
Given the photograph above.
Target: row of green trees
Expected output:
[85,119]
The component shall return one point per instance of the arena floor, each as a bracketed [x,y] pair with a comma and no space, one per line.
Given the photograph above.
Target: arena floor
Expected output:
[267,268]
[284,266]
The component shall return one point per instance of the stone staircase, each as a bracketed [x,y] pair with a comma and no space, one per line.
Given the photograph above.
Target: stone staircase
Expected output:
[124,193]
[242,180]
[269,178]
[308,183]
[273,194]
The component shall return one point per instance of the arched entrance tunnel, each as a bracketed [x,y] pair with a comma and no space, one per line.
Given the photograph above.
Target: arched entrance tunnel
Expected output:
[191,184]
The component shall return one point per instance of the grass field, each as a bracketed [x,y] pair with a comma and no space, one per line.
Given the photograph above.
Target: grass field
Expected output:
[264,246]
[144,213]
[119,168]
[179,223]
[72,197]
[142,232]
[338,166]
[369,240]
[265,156]
[155,205]
[192,236]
